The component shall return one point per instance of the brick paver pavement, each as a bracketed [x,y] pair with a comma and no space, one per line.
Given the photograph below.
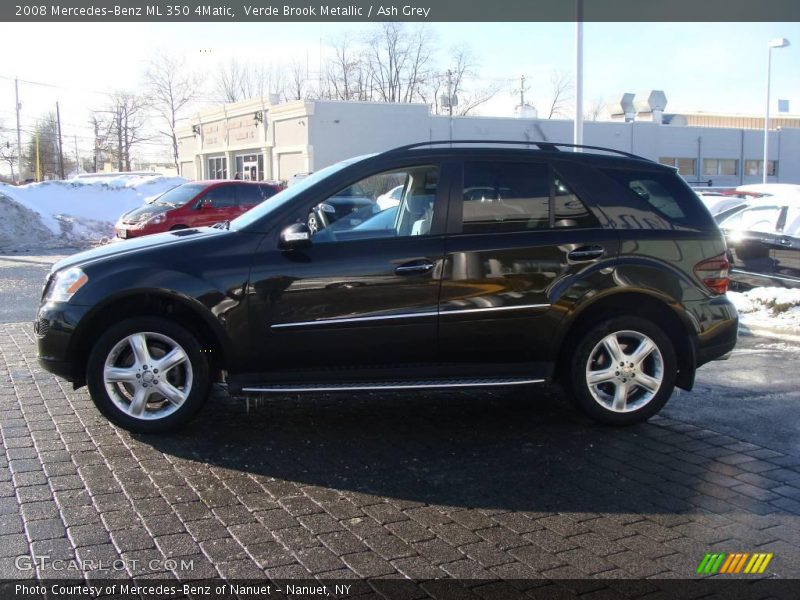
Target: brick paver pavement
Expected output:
[467,485]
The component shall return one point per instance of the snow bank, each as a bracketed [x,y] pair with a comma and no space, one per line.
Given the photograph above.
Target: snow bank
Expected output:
[75,212]
[771,307]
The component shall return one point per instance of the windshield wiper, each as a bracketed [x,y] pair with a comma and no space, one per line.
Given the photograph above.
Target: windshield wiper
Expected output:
[222,225]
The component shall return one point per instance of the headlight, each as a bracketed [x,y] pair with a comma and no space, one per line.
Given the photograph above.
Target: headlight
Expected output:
[156,219]
[65,283]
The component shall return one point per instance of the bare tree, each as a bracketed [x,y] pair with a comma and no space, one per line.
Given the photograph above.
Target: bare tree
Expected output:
[228,81]
[171,87]
[345,76]
[398,60]
[123,126]
[458,78]
[8,151]
[296,88]
[561,93]
[595,110]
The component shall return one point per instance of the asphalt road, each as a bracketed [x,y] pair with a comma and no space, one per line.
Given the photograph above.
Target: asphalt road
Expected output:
[21,280]
[754,395]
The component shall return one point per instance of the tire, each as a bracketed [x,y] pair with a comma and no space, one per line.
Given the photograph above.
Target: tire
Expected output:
[622,394]
[178,227]
[131,393]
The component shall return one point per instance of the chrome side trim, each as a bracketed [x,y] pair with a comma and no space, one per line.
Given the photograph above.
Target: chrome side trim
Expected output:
[399,386]
[459,311]
[354,319]
[764,275]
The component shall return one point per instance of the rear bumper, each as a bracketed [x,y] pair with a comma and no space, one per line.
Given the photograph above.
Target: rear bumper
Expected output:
[717,325]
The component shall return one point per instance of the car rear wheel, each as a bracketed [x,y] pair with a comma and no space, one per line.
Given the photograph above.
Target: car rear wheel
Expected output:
[148,375]
[623,371]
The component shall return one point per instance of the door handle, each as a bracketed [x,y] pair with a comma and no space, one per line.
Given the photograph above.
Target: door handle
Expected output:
[586,253]
[417,266]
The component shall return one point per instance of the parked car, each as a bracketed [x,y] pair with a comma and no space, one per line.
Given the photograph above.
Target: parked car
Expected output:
[763,239]
[194,204]
[598,270]
[716,202]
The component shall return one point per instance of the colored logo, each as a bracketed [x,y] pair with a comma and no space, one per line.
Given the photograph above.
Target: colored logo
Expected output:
[735,563]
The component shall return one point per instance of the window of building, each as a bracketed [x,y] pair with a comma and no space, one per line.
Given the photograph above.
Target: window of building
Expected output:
[218,168]
[685,166]
[720,166]
[755,168]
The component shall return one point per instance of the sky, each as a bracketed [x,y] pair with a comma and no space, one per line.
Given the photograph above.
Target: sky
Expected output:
[713,67]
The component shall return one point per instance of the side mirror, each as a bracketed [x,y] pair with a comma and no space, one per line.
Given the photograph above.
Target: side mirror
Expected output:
[296,236]
[202,204]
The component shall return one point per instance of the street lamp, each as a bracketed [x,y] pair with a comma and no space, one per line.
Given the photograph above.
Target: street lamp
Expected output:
[776,43]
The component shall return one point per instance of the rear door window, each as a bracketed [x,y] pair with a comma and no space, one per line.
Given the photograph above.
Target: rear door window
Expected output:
[505,196]
[516,196]
[250,195]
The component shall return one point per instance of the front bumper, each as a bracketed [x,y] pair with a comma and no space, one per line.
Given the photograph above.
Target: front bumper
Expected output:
[56,346]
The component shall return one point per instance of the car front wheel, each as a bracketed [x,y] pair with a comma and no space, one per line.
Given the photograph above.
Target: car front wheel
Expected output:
[148,375]
[623,371]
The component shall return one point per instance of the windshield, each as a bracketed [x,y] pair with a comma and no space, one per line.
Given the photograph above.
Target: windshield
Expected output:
[288,194]
[178,196]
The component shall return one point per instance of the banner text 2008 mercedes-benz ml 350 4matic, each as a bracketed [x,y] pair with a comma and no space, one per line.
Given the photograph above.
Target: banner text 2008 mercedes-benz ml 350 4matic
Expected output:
[500,264]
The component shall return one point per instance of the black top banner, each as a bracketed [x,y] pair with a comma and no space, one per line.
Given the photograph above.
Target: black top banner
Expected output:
[401,10]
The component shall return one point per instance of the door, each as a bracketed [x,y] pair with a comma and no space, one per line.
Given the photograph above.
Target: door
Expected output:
[751,235]
[365,292]
[786,249]
[515,231]
[216,205]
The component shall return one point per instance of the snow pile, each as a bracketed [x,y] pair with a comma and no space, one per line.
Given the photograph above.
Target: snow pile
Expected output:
[772,307]
[75,212]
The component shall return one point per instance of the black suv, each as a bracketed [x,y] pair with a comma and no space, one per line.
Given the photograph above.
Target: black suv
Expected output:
[503,264]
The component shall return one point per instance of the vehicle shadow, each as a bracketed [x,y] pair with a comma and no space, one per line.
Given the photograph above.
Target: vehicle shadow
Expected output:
[508,451]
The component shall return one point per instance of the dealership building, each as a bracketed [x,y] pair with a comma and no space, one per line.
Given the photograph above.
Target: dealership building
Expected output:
[257,140]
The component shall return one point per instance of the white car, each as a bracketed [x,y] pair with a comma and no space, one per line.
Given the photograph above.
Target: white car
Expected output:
[772,189]
[390,198]
[717,203]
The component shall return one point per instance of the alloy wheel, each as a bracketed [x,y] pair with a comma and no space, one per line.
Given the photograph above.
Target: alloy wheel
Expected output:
[148,375]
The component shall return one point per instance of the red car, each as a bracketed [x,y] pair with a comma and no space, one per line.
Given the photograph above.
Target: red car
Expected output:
[194,204]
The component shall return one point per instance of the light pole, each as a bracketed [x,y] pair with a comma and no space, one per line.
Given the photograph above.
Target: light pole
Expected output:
[776,43]
[577,136]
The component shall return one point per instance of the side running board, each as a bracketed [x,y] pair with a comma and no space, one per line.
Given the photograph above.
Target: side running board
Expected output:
[286,388]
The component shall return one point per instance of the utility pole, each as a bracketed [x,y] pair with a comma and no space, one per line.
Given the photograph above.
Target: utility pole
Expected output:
[450,92]
[19,136]
[60,144]
[77,158]
[578,123]
[521,91]
[38,168]
[119,138]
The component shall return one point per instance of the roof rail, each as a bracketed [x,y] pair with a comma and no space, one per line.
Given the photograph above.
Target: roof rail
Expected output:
[542,145]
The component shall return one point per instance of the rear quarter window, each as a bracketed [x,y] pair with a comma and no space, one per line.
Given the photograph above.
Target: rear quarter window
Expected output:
[663,193]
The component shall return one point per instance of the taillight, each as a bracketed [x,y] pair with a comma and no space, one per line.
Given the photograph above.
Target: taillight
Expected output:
[713,272]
